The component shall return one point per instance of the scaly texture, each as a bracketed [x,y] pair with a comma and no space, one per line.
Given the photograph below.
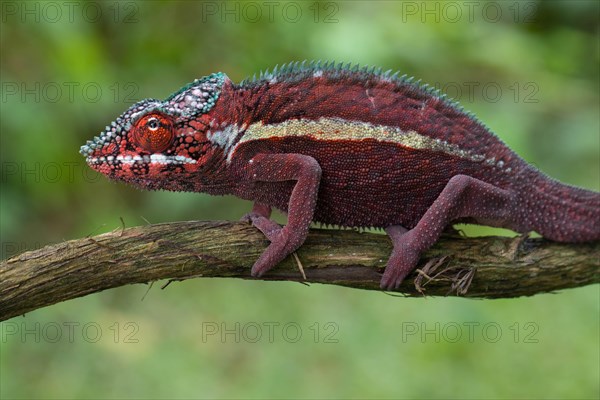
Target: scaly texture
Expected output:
[342,146]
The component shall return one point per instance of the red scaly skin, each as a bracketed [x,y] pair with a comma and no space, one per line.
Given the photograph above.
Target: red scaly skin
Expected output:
[340,146]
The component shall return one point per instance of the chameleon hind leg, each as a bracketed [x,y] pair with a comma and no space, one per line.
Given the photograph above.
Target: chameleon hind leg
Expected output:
[462,197]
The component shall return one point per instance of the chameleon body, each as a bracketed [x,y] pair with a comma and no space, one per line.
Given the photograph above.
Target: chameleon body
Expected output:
[341,146]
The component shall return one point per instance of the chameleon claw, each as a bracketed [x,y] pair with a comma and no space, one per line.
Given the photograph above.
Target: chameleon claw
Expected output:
[276,252]
[391,282]
[247,218]
[282,244]
[255,273]
[259,218]
[402,262]
[269,228]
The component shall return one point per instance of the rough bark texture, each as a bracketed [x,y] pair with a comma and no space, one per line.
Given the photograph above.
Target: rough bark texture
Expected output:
[488,267]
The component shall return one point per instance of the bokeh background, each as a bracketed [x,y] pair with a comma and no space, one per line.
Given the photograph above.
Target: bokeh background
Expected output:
[528,69]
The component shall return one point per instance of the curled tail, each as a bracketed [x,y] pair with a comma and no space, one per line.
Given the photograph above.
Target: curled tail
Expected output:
[558,211]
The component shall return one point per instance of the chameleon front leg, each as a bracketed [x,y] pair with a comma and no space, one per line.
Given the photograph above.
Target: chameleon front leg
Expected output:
[306,171]
[259,217]
[463,196]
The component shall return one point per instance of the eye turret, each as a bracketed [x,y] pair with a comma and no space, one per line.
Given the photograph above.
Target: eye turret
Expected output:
[154,132]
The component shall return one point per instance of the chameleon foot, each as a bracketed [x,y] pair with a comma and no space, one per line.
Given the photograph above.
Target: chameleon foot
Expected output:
[259,218]
[281,246]
[400,264]
[269,228]
[403,260]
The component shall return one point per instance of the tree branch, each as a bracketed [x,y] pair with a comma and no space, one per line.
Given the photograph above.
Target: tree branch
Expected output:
[489,267]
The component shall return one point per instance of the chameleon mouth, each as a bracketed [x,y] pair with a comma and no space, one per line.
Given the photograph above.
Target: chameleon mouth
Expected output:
[152,159]
[93,149]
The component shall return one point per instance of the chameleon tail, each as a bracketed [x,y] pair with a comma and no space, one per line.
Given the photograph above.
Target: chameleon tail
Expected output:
[560,212]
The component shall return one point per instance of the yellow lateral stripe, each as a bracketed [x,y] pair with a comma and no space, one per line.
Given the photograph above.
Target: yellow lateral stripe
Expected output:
[339,129]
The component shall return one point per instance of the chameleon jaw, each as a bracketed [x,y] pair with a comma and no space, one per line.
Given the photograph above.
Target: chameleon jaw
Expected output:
[153,159]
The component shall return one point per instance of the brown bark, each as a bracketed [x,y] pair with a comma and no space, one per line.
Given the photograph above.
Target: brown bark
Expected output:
[484,267]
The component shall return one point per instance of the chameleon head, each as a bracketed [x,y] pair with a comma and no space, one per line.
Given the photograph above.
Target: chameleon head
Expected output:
[154,142]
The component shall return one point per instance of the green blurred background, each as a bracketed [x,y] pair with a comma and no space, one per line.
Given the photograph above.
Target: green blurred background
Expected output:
[529,70]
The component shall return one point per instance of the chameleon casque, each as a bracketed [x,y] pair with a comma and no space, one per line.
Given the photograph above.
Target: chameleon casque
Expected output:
[341,146]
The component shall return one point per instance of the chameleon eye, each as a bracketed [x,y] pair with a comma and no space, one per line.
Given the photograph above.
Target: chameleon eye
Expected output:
[154,133]
[153,124]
